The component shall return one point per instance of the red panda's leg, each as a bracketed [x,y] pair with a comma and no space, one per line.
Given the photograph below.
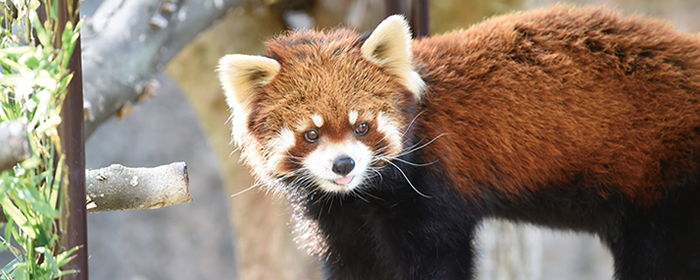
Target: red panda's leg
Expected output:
[662,242]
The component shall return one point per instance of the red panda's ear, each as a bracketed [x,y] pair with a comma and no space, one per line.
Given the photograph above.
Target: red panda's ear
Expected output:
[389,46]
[241,75]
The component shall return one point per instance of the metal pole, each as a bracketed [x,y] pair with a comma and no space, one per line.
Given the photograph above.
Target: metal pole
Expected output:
[72,136]
[392,7]
[420,18]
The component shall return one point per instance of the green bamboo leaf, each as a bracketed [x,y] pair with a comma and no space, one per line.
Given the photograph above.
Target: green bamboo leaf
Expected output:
[17,50]
[66,272]
[46,80]
[50,263]
[70,37]
[12,65]
[52,122]
[65,257]
[13,80]
[31,163]
[20,271]
[41,33]
[67,34]
[39,205]
[12,211]
[29,252]
[34,5]
[32,62]
[65,81]
[76,32]
[55,184]
[53,11]
[9,226]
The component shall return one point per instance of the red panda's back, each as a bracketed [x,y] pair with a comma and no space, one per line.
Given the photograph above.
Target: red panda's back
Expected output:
[537,99]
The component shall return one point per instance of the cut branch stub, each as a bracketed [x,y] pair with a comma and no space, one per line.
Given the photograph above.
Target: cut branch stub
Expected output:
[14,144]
[122,188]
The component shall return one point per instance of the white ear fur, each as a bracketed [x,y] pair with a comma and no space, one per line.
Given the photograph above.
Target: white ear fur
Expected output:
[241,75]
[389,46]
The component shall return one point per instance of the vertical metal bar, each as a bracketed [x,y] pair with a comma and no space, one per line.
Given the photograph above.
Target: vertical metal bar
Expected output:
[420,21]
[418,16]
[392,7]
[73,141]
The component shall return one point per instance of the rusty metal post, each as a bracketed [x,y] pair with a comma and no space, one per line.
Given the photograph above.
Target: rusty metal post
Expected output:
[72,136]
[392,7]
[420,22]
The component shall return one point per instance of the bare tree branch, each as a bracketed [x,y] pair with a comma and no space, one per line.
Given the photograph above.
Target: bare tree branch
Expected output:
[127,41]
[121,188]
[14,144]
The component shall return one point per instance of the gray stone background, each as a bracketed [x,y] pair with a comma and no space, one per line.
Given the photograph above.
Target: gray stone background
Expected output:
[187,241]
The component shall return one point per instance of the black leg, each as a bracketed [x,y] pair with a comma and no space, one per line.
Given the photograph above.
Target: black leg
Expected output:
[661,243]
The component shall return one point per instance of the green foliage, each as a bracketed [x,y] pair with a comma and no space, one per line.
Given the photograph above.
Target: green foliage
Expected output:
[33,81]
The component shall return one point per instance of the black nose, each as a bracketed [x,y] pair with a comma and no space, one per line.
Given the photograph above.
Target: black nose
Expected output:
[343,165]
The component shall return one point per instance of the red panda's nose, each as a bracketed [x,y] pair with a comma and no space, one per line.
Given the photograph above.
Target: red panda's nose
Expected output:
[343,165]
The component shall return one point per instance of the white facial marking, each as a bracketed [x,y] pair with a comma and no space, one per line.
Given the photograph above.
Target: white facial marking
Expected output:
[301,125]
[390,129]
[320,164]
[352,116]
[278,146]
[318,120]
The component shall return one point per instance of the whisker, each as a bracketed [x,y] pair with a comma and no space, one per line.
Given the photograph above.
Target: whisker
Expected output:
[411,123]
[382,139]
[235,149]
[254,185]
[376,173]
[416,164]
[407,180]
[358,194]
[405,130]
[411,150]
[365,192]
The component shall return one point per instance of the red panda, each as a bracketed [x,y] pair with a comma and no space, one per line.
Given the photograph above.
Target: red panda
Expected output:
[391,151]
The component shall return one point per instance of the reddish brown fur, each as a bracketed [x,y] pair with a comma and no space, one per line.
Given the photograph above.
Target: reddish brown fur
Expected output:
[571,118]
[523,102]
[528,106]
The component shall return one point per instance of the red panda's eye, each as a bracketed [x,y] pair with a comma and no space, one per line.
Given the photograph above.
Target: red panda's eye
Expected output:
[361,129]
[311,135]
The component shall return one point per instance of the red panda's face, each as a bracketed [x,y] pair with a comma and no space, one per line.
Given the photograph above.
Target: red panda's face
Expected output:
[336,152]
[323,110]
[329,120]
